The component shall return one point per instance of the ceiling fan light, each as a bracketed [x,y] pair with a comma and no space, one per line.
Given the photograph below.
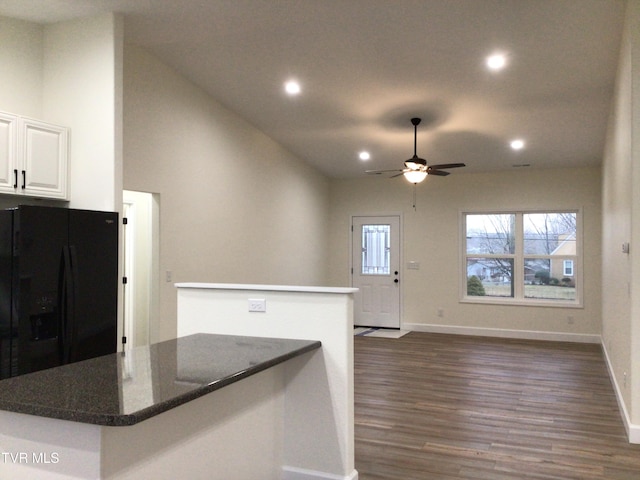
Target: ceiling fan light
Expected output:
[415,176]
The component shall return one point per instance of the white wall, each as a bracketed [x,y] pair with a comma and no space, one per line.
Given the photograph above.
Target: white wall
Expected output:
[235,207]
[621,223]
[21,76]
[82,90]
[21,47]
[431,236]
[70,73]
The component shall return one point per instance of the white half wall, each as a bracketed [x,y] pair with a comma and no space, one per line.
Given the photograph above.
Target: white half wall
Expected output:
[48,448]
[319,437]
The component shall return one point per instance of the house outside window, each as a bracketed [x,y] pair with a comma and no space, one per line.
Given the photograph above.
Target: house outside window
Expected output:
[529,258]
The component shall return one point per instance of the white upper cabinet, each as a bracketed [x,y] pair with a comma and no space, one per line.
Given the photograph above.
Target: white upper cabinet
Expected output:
[33,157]
[44,159]
[8,151]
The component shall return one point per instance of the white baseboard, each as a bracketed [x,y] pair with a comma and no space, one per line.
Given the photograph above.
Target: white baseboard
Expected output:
[633,430]
[293,473]
[502,333]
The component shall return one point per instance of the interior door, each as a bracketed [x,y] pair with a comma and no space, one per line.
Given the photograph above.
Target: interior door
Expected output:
[376,271]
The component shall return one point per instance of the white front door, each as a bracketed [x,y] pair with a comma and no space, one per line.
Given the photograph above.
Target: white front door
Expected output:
[376,271]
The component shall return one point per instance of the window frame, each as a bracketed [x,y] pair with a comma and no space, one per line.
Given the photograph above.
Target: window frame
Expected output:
[519,258]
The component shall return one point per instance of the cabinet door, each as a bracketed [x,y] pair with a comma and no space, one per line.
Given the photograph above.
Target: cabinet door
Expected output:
[45,153]
[8,151]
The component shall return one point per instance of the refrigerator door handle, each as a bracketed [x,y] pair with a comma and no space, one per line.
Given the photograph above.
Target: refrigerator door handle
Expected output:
[62,303]
[65,337]
[72,324]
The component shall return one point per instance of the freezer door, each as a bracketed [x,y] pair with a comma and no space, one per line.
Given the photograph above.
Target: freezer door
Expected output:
[93,249]
[39,235]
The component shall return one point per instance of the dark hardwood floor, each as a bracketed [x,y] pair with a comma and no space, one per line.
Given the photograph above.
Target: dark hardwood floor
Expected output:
[430,406]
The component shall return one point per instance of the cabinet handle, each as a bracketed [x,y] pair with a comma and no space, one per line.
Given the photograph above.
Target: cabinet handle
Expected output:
[24,179]
[15,178]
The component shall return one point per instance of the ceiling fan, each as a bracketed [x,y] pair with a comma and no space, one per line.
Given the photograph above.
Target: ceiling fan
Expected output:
[416,168]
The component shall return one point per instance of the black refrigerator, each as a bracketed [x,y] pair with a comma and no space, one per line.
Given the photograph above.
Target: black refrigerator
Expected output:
[58,287]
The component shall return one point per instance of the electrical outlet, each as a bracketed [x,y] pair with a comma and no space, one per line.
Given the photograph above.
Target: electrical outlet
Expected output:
[257,305]
[169,276]
[440,312]
[624,375]
[570,319]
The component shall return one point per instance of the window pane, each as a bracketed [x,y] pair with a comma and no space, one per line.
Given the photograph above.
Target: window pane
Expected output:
[491,234]
[549,233]
[544,279]
[376,251]
[495,276]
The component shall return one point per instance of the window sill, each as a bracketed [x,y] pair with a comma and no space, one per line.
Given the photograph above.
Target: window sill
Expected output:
[521,302]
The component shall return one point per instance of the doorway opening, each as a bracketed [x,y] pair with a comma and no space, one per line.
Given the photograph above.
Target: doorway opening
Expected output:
[141,267]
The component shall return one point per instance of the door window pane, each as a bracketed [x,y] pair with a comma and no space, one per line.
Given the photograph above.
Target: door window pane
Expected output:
[376,249]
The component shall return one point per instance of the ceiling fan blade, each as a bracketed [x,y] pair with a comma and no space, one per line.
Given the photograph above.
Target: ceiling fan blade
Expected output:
[447,165]
[398,174]
[378,172]
[440,173]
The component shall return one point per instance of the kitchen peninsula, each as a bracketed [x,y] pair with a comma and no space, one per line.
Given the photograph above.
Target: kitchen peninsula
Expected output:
[200,406]
[319,444]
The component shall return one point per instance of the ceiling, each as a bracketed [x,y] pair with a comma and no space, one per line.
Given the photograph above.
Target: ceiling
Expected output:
[367,66]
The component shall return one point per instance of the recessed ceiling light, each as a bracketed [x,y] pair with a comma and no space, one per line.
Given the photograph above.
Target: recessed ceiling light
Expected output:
[364,155]
[517,144]
[496,61]
[292,87]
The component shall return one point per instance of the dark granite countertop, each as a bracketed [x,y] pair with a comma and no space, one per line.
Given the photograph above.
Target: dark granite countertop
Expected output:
[126,388]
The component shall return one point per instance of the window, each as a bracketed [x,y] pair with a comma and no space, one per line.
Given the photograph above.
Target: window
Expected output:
[568,268]
[522,257]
